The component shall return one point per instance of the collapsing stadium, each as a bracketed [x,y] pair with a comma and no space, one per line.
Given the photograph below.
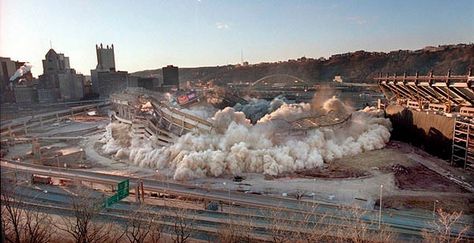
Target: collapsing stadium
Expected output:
[200,141]
[434,112]
[214,133]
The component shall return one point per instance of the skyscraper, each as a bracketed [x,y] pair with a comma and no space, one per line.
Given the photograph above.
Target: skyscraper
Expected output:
[105,79]
[59,81]
[170,76]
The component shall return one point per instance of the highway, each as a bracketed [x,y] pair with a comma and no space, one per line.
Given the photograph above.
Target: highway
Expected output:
[407,224]
[206,224]
[22,124]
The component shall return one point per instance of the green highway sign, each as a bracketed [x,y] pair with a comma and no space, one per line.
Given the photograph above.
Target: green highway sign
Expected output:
[111,200]
[123,190]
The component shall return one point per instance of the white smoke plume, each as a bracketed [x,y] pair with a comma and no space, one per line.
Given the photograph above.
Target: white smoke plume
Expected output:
[238,147]
[203,111]
[21,71]
[258,108]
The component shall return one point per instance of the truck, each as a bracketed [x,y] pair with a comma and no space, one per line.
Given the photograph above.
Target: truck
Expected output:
[39,179]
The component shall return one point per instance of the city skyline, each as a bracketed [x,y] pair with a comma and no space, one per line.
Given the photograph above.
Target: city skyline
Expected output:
[151,35]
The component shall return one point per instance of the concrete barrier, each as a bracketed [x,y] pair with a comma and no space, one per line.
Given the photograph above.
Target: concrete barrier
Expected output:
[427,130]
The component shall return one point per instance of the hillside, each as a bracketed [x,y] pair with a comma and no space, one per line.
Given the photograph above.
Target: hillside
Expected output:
[359,66]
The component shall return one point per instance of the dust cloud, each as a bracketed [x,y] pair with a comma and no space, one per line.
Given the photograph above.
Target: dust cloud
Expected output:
[237,145]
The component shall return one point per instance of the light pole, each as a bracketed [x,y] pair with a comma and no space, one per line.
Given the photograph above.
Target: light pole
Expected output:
[228,190]
[380,207]
[314,191]
[168,181]
[82,155]
[16,170]
[434,207]
[57,159]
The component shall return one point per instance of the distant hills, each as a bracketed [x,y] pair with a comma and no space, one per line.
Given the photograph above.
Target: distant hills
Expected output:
[359,66]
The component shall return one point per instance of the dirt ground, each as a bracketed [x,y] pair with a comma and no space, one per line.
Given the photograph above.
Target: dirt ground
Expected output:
[333,171]
[394,153]
[419,177]
[451,204]
[360,165]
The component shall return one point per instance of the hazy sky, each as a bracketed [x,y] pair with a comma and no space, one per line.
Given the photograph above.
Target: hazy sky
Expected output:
[151,34]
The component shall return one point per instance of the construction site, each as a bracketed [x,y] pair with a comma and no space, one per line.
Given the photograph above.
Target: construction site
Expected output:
[402,148]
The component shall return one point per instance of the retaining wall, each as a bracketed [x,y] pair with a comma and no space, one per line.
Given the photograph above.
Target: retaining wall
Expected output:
[431,132]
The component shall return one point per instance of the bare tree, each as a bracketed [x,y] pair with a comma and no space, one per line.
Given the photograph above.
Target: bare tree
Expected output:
[316,228]
[22,222]
[444,229]
[357,229]
[37,227]
[182,225]
[85,225]
[12,215]
[281,226]
[237,230]
[312,226]
[300,227]
[227,233]
[142,226]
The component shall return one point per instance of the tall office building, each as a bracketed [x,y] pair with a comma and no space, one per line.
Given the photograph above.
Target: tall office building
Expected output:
[59,81]
[7,69]
[105,58]
[105,79]
[55,62]
[170,76]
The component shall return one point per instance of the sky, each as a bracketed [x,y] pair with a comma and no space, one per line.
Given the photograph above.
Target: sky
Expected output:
[194,33]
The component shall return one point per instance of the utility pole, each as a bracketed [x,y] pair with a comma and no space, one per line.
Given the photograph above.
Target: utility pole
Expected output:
[137,192]
[142,191]
[380,206]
